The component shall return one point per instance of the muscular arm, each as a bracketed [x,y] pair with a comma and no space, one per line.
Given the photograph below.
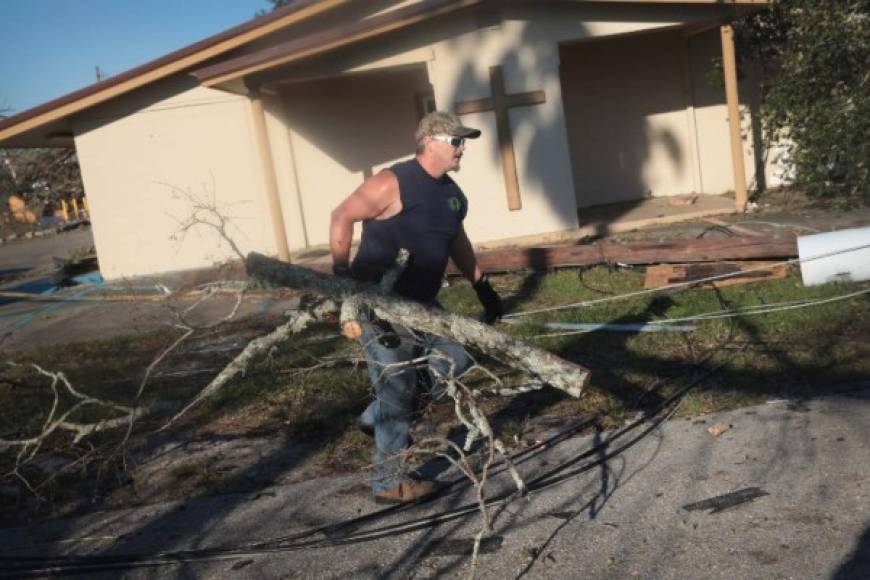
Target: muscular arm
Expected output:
[377,197]
[463,256]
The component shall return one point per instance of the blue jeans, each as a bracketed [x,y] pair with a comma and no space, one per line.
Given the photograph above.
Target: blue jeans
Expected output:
[396,388]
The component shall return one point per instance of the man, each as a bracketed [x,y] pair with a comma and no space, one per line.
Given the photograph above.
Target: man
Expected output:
[417,206]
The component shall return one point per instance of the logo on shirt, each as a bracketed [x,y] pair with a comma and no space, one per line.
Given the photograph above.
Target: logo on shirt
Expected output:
[454,204]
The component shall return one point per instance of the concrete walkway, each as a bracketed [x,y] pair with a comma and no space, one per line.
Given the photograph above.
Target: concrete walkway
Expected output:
[78,313]
[789,482]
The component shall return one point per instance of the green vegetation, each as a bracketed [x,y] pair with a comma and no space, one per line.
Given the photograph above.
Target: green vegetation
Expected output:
[793,353]
[39,176]
[316,384]
[311,389]
[815,55]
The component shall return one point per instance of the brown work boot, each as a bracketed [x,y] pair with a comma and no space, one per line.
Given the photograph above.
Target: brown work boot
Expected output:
[409,490]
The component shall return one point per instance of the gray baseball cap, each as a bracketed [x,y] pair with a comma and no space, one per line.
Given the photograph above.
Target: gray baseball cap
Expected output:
[443,123]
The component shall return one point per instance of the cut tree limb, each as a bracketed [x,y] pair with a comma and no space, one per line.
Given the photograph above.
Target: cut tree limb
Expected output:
[552,370]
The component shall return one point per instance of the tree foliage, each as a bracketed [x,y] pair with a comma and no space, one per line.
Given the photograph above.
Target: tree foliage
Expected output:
[276,4]
[279,3]
[39,176]
[815,55]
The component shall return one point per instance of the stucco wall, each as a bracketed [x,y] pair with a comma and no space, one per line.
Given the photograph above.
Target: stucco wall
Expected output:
[328,134]
[625,102]
[711,117]
[345,129]
[142,159]
[460,72]
[285,171]
[525,41]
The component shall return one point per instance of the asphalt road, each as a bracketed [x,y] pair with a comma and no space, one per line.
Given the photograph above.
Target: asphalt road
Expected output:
[20,257]
[26,324]
[787,492]
[783,493]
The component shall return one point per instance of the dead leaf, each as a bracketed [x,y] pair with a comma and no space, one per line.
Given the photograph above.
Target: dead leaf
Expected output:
[242,564]
[678,200]
[549,560]
[718,429]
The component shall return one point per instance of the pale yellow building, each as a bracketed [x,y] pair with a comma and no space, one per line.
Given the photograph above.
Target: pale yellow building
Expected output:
[582,104]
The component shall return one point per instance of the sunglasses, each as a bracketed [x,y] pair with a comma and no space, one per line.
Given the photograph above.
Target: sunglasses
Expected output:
[451,140]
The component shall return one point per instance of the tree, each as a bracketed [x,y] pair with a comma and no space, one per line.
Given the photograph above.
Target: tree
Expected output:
[279,3]
[815,56]
[40,176]
[276,4]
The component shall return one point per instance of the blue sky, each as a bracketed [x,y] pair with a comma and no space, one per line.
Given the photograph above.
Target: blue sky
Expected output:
[50,47]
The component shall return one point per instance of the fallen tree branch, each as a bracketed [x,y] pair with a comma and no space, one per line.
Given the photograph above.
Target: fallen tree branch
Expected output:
[189,329]
[55,421]
[552,370]
[297,323]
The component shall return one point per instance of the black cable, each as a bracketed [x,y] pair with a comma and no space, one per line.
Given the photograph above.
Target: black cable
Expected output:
[30,567]
[335,534]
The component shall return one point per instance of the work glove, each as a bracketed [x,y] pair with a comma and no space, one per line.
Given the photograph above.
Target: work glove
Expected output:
[342,271]
[492,308]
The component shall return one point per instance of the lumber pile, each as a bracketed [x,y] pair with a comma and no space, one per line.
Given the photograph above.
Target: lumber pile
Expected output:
[662,275]
[675,252]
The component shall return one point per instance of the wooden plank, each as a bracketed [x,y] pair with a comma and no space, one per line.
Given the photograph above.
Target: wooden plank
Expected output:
[500,103]
[729,67]
[681,251]
[505,139]
[267,171]
[662,275]
[476,106]
[733,227]
[525,99]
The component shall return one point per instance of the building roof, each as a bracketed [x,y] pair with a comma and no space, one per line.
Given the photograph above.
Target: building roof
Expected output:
[296,49]
[47,124]
[47,115]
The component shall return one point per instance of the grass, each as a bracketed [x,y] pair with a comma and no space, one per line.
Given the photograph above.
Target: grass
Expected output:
[794,354]
[778,354]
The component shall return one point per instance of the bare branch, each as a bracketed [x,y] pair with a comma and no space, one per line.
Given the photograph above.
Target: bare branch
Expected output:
[205,212]
[549,368]
[297,323]
[30,446]
[157,360]
[189,328]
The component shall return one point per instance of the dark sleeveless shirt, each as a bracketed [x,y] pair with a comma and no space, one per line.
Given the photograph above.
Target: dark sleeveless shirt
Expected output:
[432,213]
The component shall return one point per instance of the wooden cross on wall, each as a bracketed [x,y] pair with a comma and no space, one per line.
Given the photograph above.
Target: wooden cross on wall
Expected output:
[500,102]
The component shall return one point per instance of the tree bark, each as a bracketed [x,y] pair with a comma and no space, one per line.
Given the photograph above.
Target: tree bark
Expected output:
[552,370]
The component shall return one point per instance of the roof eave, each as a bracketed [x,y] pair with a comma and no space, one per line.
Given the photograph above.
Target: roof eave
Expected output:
[297,49]
[237,69]
[172,63]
